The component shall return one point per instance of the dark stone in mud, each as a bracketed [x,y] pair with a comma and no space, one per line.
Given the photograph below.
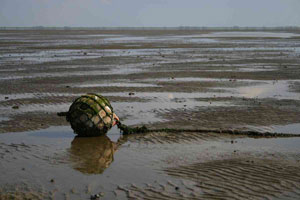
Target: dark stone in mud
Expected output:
[176,188]
[52,180]
[68,86]
[15,107]
[95,196]
[131,93]
[6,97]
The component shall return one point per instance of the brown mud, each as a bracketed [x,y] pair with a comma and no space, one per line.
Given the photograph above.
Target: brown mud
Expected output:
[246,81]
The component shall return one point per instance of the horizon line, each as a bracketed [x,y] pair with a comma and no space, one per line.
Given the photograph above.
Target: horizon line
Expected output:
[148,27]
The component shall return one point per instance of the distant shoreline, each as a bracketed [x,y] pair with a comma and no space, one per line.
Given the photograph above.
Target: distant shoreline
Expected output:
[237,28]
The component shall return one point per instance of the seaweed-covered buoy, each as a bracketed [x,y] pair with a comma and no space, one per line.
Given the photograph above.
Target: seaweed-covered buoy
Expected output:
[91,115]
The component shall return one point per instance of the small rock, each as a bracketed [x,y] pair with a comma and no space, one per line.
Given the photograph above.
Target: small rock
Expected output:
[131,93]
[176,188]
[15,107]
[95,196]
[23,169]
[85,53]
[52,180]
[67,86]
[6,97]
[231,141]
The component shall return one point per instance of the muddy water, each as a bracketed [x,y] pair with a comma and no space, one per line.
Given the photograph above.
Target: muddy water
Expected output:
[56,164]
[230,80]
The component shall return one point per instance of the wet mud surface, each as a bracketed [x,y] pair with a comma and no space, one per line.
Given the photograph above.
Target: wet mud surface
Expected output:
[161,79]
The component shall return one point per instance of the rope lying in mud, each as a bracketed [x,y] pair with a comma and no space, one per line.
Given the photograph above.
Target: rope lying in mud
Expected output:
[126,130]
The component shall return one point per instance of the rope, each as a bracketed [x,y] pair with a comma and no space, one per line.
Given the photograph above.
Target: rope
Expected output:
[126,130]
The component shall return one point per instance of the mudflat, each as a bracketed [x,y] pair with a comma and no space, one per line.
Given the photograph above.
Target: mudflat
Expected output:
[241,80]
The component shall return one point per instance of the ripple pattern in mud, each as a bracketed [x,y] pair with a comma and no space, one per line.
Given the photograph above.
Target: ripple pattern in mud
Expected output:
[225,179]
[242,179]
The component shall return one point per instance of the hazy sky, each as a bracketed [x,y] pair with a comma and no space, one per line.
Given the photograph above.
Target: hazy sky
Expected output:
[150,12]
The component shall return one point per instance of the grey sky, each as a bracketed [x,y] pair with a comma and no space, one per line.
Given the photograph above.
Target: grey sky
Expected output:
[150,12]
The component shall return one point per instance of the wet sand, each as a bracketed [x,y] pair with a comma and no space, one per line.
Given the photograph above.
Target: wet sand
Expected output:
[180,79]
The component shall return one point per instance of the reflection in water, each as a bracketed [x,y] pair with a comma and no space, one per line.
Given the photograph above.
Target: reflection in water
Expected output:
[92,155]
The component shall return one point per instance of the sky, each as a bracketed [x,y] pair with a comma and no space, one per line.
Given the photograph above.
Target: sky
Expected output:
[150,13]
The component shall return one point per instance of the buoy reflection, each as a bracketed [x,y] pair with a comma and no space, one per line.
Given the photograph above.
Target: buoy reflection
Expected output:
[92,155]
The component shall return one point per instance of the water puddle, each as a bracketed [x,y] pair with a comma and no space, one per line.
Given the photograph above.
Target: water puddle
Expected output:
[289,128]
[157,103]
[273,89]
[67,55]
[121,84]
[260,34]
[99,35]
[32,95]
[197,79]
[262,89]
[4,119]
[4,97]
[127,39]
[116,70]
[37,108]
